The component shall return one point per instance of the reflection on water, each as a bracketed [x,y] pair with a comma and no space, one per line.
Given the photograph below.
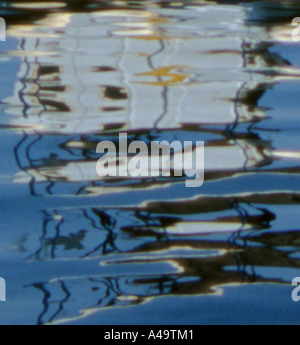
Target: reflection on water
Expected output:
[77,73]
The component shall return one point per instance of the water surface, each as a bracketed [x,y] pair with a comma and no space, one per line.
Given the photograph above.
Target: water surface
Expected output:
[77,248]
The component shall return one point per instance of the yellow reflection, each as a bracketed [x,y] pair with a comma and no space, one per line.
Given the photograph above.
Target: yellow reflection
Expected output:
[39,5]
[165,72]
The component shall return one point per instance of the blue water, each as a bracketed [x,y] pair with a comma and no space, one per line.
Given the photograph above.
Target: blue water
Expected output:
[79,249]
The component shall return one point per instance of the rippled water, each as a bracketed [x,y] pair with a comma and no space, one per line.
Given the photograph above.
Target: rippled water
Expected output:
[79,249]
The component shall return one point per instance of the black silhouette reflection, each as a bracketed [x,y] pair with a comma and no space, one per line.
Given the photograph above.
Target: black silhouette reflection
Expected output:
[205,262]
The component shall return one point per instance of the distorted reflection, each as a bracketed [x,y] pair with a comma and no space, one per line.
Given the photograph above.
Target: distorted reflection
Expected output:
[86,71]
